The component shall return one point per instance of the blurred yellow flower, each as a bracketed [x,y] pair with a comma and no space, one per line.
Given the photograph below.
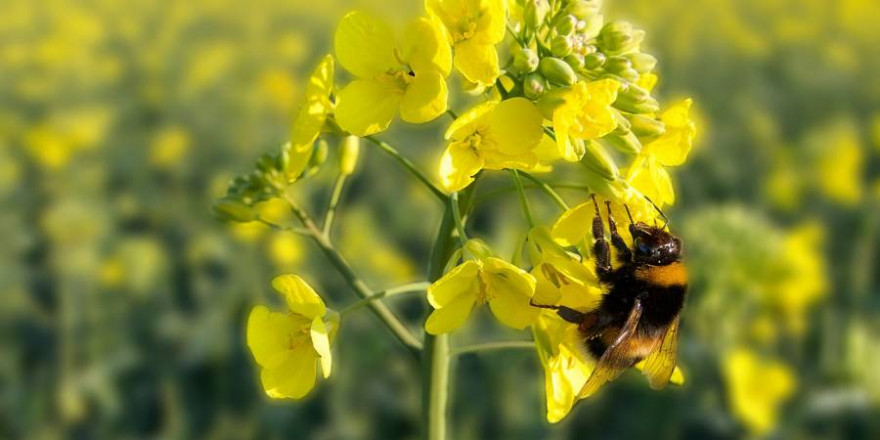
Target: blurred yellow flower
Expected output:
[492,136]
[803,281]
[288,346]
[409,77]
[582,112]
[507,288]
[310,118]
[757,388]
[169,146]
[285,249]
[840,165]
[473,27]
[647,173]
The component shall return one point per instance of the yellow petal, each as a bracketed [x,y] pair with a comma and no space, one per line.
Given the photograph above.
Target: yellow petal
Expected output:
[426,48]
[574,225]
[515,126]
[499,161]
[425,98]
[365,45]
[268,335]
[459,281]
[476,118]
[311,116]
[367,107]
[509,290]
[663,183]
[451,316]
[492,23]
[294,378]
[458,166]
[478,63]
[300,297]
[321,343]
[673,147]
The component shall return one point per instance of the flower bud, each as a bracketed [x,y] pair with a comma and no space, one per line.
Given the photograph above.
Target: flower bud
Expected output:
[619,37]
[625,143]
[594,60]
[266,163]
[616,65]
[319,156]
[557,71]
[534,13]
[229,209]
[560,45]
[348,155]
[525,60]
[635,99]
[476,248]
[575,61]
[582,9]
[642,62]
[597,160]
[534,86]
[623,124]
[646,127]
[591,26]
[565,24]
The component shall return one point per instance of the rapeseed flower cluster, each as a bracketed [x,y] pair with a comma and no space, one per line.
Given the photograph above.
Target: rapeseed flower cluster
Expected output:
[575,92]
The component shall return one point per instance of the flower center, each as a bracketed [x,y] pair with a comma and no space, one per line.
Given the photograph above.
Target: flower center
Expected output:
[484,293]
[298,338]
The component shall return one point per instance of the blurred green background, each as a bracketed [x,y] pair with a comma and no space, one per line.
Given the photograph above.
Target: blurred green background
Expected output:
[123,300]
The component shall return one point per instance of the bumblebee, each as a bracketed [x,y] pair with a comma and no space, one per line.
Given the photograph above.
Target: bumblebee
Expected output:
[637,318]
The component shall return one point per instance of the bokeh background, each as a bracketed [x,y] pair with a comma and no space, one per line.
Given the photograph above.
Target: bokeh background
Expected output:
[122,301]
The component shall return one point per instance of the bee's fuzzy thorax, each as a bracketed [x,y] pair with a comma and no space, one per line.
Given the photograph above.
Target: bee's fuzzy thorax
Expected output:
[673,274]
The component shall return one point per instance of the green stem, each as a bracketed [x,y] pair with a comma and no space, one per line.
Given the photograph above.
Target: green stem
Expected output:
[491,346]
[527,211]
[414,287]
[410,166]
[334,202]
[435,356]
[358,285]
[277,227]
[547,190]
[456,216]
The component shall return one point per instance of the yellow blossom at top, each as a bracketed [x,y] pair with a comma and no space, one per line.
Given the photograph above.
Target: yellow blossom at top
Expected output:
[757,388]
[408,76]
[473,27]
[647,173]
[310,118]
[288,346]
[582,112]
[493,136]
[572,227]
[507,288]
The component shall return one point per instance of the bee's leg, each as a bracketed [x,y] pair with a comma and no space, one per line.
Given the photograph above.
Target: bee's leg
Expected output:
[601,251]
[623,252]
[566,313]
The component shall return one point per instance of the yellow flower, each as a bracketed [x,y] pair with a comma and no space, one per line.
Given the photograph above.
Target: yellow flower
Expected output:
[804,282]
[491,136]
[647,174]
[473,27]
[409,77]
[582,112]
[561,277]
[757,388]
[573,226]
[566,365]
[310,119]
[169,146]
[507,288]
[288,346]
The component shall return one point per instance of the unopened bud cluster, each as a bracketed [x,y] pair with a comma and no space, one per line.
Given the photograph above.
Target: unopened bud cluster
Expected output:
[560,44]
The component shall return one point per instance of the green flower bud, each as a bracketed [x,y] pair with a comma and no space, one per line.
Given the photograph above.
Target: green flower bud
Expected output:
[534,86]
[282,161]
[597,160]
[583,9]
[477,248]
[534,13]
[560,46]
[348,155]
[623,124]
[565,24]
[616,65]
[525,60]
[594,60]
[266,163]
[229,209]
[557,71]
[319,156]
[592,26]
[619,37]
[646,127]
[642,62]
[634,99]
[575,61]
[626,143]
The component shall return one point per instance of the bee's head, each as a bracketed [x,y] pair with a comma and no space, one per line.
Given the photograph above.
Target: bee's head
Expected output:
[654,245]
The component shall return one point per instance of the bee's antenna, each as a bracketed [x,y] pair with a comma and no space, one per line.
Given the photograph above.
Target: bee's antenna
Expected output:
[595,203]
[628,214]
[665,219]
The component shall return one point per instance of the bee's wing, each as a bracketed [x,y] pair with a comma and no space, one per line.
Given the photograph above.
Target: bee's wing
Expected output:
[614,360]
[660,364]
